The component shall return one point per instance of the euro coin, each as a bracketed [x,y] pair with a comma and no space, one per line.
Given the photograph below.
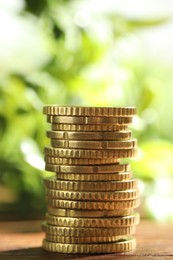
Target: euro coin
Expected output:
[96,144]
[114,247]
[108,168]
[120,176]
[93,154]
[82,240]
[88,128]
[78,161]
[88,111]
[93,222]
[93,196]
[92,205]
[81,232]
[53,183]
[66,135]
[89,213]
[84,120]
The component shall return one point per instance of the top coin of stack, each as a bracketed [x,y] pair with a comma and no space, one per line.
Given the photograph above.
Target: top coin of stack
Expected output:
[87,144]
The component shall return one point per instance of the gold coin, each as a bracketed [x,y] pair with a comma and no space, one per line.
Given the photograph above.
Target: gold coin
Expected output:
[88,111]
[71,169]
[78,161]
[89,213]
[53,183]
[93,222]
[108,168]
[64,135]
[96,144]
[93,196]
[93,205]
[114,247]
[121,176]
[82,240]
[84,120]
[79,128]
[93,154]
[81,232]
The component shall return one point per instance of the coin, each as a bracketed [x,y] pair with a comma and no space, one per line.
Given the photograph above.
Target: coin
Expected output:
[93,154]
[65,135]
[93,222]
[121,176]
[93,205]
[96,144]
[81,232]
[108,168]
[89,120]
[89,213]
[93,196]
[77,161]
[114,247]
[82,240]
[79,128]
[52,183]
[88,111]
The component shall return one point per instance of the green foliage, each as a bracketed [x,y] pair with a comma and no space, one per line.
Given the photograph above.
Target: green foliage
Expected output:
[154,160]
[90,59]
[36,7]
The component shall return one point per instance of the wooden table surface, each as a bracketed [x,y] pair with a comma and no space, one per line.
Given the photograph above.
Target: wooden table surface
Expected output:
[22,240]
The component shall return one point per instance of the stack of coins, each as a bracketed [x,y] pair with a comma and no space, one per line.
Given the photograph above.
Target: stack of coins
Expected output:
[92,197]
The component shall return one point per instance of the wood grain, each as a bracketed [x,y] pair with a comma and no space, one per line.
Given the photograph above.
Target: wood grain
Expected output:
[22,240]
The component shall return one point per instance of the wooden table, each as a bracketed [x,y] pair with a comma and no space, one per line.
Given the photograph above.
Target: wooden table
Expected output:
[22,240]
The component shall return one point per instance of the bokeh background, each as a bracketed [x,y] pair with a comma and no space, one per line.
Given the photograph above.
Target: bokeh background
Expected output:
[93,53]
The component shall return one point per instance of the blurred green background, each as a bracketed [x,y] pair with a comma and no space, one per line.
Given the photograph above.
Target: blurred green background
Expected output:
[93,53]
